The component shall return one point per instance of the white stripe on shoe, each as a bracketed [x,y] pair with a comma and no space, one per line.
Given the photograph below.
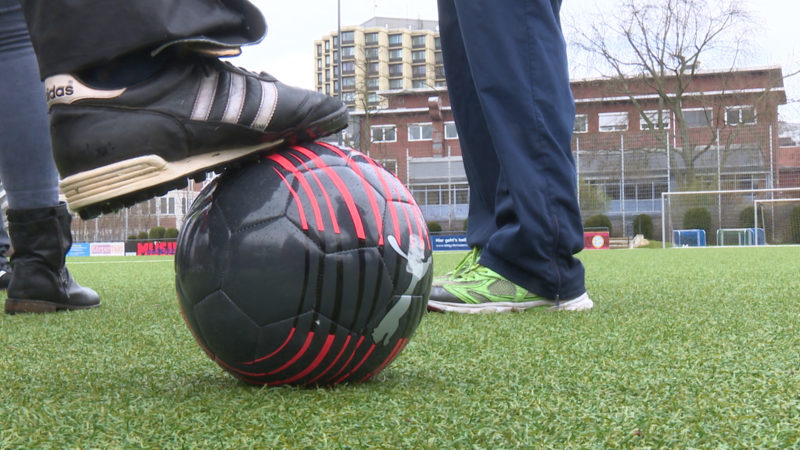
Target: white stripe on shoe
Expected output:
[269,100]
[205,97]
[237,92]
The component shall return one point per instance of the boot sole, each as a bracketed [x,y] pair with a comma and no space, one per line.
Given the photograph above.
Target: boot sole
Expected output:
[40,306]
[110,188]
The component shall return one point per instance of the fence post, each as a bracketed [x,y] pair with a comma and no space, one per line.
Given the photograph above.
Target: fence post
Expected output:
[578,167]
[622,180]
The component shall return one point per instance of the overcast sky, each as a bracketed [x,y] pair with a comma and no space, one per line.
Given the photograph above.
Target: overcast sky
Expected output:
[288,50]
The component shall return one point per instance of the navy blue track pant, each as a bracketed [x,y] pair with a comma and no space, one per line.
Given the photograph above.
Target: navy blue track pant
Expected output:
[506,68]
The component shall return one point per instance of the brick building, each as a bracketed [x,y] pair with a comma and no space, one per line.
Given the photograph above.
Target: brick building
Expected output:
[629,145]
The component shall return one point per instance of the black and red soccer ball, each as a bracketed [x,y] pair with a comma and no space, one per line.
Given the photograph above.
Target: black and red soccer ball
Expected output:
[310,267]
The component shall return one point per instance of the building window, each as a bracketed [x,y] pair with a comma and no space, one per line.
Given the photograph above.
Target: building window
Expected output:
[697,118]
[616,121]
[419,84]
[396,70]
[450,131]
[373,98]
[327,60]
[581,123]
[389,164]
[654,120]
[371,38]
[349,97]
[348,82]
[396,83]
[335,57]
[348,37]
[372,83]
[418,56]
[418,71]
[440,194]
[335,71]
[167,206]
[437,58]
[395,54]
[420,131]
[348,52]
[371,54]
[418,41]
[348,67]
[395,40]
[319,63]
[373,68]
[437,43]
[327,46]
[319,49]
[740,115]
[319,78]
[383,133]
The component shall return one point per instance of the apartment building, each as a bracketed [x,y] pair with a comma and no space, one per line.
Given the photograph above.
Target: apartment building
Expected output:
[378,55]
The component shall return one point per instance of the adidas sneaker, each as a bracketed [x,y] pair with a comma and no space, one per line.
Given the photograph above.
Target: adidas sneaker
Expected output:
[117,147]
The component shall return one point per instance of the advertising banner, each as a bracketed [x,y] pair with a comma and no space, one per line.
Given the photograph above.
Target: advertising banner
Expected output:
[80,249]
[107,249]
[449,242]
[596,240]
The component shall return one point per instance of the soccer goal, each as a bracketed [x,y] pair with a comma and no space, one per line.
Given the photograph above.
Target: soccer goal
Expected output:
[734,217]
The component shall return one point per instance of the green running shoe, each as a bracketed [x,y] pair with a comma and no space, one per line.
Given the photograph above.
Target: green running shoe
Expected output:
[466,264]
[482,290]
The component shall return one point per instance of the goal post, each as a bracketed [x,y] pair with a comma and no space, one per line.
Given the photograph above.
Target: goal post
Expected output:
[723,213]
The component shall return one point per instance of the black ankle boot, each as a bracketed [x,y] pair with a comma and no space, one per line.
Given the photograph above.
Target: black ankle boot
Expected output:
[41,239]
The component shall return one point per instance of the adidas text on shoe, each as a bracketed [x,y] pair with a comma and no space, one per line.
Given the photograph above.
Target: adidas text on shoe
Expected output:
[485,291]
[117,147]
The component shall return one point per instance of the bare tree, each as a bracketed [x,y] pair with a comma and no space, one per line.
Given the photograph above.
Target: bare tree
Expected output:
[655,47]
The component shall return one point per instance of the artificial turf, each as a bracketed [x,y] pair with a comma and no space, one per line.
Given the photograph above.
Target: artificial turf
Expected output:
[684,348]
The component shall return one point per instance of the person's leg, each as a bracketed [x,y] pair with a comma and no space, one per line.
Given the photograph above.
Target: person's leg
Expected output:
[70,35]
[480,161]
[517,59]
[135,113]
[39,227]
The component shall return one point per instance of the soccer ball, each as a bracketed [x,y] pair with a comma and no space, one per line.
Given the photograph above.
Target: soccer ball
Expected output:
[311,266]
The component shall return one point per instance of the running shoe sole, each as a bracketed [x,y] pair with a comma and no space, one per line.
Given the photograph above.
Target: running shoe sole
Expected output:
[578,304]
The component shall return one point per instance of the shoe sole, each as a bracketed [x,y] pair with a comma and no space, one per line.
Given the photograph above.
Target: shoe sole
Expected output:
[581,303]
[110,188]
[40,306]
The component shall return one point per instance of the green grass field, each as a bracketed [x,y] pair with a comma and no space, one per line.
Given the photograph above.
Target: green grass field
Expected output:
[685,348]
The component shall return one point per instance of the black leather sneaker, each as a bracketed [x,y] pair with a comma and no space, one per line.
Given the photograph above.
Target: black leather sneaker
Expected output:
[117,147]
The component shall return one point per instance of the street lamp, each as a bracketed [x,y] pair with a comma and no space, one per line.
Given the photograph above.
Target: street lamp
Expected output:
[339,50]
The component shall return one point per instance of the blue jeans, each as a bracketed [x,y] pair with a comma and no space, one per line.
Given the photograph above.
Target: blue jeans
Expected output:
[27,170]
[507,77]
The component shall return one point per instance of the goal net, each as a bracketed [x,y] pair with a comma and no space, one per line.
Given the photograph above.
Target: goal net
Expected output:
[731,217]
